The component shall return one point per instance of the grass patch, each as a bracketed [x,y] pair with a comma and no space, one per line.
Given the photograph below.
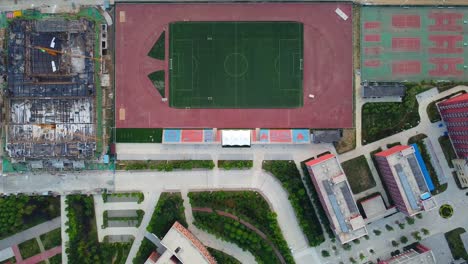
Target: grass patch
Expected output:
[235,164]
[289,176]
[169,209]
[20,212]
[455,243]
[418,140]
[138,135]
[57,259]
[52,239]
[359,174]
[29,248]
[83,246]
[446,211]
[164,165]
[249,206]
[139,196]
[158,51]
[449,152]
[157,79]
[222,257]
[380,120]
[347,142]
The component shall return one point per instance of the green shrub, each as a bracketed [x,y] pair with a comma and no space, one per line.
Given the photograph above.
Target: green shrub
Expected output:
[403,239]
[409,220]
[389,227]
[249,206]
[377,232]
[325,253]
[289,176]
[235,164]
[394,243]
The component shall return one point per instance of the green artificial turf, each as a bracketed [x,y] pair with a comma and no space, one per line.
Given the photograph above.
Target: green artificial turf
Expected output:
[235,64]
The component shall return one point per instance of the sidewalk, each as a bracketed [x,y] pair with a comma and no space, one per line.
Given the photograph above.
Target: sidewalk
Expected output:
[30,233]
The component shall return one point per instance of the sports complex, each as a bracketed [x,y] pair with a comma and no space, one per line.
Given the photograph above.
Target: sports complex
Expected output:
[413,44]
[234,65]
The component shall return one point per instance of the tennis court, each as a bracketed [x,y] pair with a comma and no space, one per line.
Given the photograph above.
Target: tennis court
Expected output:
[414,44]
[236,64]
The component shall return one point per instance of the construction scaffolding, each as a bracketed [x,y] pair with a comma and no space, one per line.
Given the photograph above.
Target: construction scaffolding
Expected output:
[51,90]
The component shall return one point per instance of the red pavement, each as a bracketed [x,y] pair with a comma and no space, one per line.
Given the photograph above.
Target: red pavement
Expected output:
[327,66]
[42,256]
[17,253]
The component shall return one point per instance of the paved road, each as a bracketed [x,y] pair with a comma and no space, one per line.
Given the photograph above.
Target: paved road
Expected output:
[30,233]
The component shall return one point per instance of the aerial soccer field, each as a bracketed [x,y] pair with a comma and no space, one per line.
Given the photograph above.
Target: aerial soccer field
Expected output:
[235,64]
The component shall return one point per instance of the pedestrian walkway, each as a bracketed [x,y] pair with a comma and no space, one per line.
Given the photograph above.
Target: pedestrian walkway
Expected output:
[30,233]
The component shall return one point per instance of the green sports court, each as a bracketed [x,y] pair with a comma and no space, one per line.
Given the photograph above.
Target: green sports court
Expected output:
[235,64]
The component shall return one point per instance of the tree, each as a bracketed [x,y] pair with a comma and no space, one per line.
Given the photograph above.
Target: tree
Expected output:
[403,239]
[410,220]
[419,216]
[394,243]
[377,232]
[361,256]
[372,251]
[425,231]
[416,235]
[325,253]
[356,241]
[366,237]
[389,227]
[352,260]
[347,246]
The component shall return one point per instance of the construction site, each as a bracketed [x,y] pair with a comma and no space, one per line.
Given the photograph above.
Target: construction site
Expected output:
[51,93]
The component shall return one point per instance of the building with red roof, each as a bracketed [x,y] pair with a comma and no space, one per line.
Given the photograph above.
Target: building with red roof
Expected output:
[336,197]
[180,246]
[417,254]
[406,178]
[454,112]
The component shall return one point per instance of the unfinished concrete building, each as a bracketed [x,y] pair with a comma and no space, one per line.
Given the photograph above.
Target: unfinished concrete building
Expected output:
[51,92]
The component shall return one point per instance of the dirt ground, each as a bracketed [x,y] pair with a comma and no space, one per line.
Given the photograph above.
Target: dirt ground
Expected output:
[348,142]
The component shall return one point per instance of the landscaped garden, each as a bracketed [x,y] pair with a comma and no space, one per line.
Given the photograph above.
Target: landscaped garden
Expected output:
[20,212]
[250,207]
[235,164]
[447,148]
[456,244]
[380,120]
[164,165]
[52,239]
[29,248]
[359,174]
[446,211]
[169,209]
[83,245]
[289,176]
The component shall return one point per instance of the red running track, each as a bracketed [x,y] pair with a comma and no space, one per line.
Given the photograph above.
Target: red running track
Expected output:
[327,66]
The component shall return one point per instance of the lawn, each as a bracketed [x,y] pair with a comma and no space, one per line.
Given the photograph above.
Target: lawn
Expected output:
[157,78]
[235,164]
[21,212]
[57,259]
[158,50]
[29,248]
[359,174]
[223,258]
[52,239]
[235,64]
[418,140]
[287,173]
[169,209]
[138,135]
[247,205]
[447,148]
[380,120]
[455,243]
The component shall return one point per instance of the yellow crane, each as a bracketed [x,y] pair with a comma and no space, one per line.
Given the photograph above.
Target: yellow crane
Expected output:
[54,52]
